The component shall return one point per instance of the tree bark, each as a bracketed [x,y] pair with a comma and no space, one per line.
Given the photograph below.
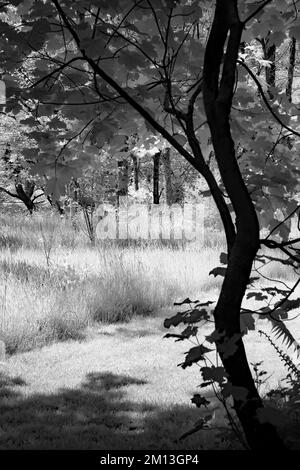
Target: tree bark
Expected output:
[122,189]
[168,176]
[156,164]
[135,161]
[23,192]
[218,94]
[25,195]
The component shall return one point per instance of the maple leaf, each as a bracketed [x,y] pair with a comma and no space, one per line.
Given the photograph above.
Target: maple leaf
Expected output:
[186,301]
[174,321]
[199,401]
[219,271]
[194,355]
[214,374]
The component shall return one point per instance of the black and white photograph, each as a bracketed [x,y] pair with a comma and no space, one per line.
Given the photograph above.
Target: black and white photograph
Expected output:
[149,230]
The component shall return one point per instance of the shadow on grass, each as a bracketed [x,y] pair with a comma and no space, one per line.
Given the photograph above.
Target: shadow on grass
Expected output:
[140,333]
[97,415]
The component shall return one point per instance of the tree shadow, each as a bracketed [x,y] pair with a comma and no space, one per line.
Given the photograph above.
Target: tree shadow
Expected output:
[98,415]
[139,333]
[137,329]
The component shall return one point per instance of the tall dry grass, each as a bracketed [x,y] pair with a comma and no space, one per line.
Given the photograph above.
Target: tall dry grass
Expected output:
[53,283]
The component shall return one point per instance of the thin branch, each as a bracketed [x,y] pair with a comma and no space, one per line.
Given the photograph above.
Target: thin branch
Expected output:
[291,256]
[260,89]
[96,23]
[282,222]
[56,103]
[274,244]
[67,22]
[123,19]
[36,197]
[123,93]
[127,39]
[59,69]
[261,7]
[74,137]
[64,38]
[194,97]
[157,23]
[279,304]
[196,160]
[6,191]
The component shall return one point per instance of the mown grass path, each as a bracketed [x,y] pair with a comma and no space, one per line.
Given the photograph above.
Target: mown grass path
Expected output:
[118,388]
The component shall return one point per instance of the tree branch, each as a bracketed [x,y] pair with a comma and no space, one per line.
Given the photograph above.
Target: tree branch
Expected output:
[256,11]
[6,191]
[197,161]
[59,69]
[283,221]
[261,91]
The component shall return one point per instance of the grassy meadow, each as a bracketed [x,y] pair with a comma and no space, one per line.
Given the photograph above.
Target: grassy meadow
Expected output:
[83,325]
[54,284]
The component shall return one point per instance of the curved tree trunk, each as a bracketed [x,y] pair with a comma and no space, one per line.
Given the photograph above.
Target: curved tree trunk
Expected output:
[218,94]
[243,242]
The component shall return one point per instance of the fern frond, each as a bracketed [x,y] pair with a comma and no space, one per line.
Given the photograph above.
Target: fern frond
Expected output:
[285,358]
[282,332]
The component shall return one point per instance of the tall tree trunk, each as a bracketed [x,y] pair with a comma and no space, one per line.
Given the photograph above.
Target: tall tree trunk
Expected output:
[218,94]
[168,176]
[291,69]
[156,163]
[122,188]
[136,164]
